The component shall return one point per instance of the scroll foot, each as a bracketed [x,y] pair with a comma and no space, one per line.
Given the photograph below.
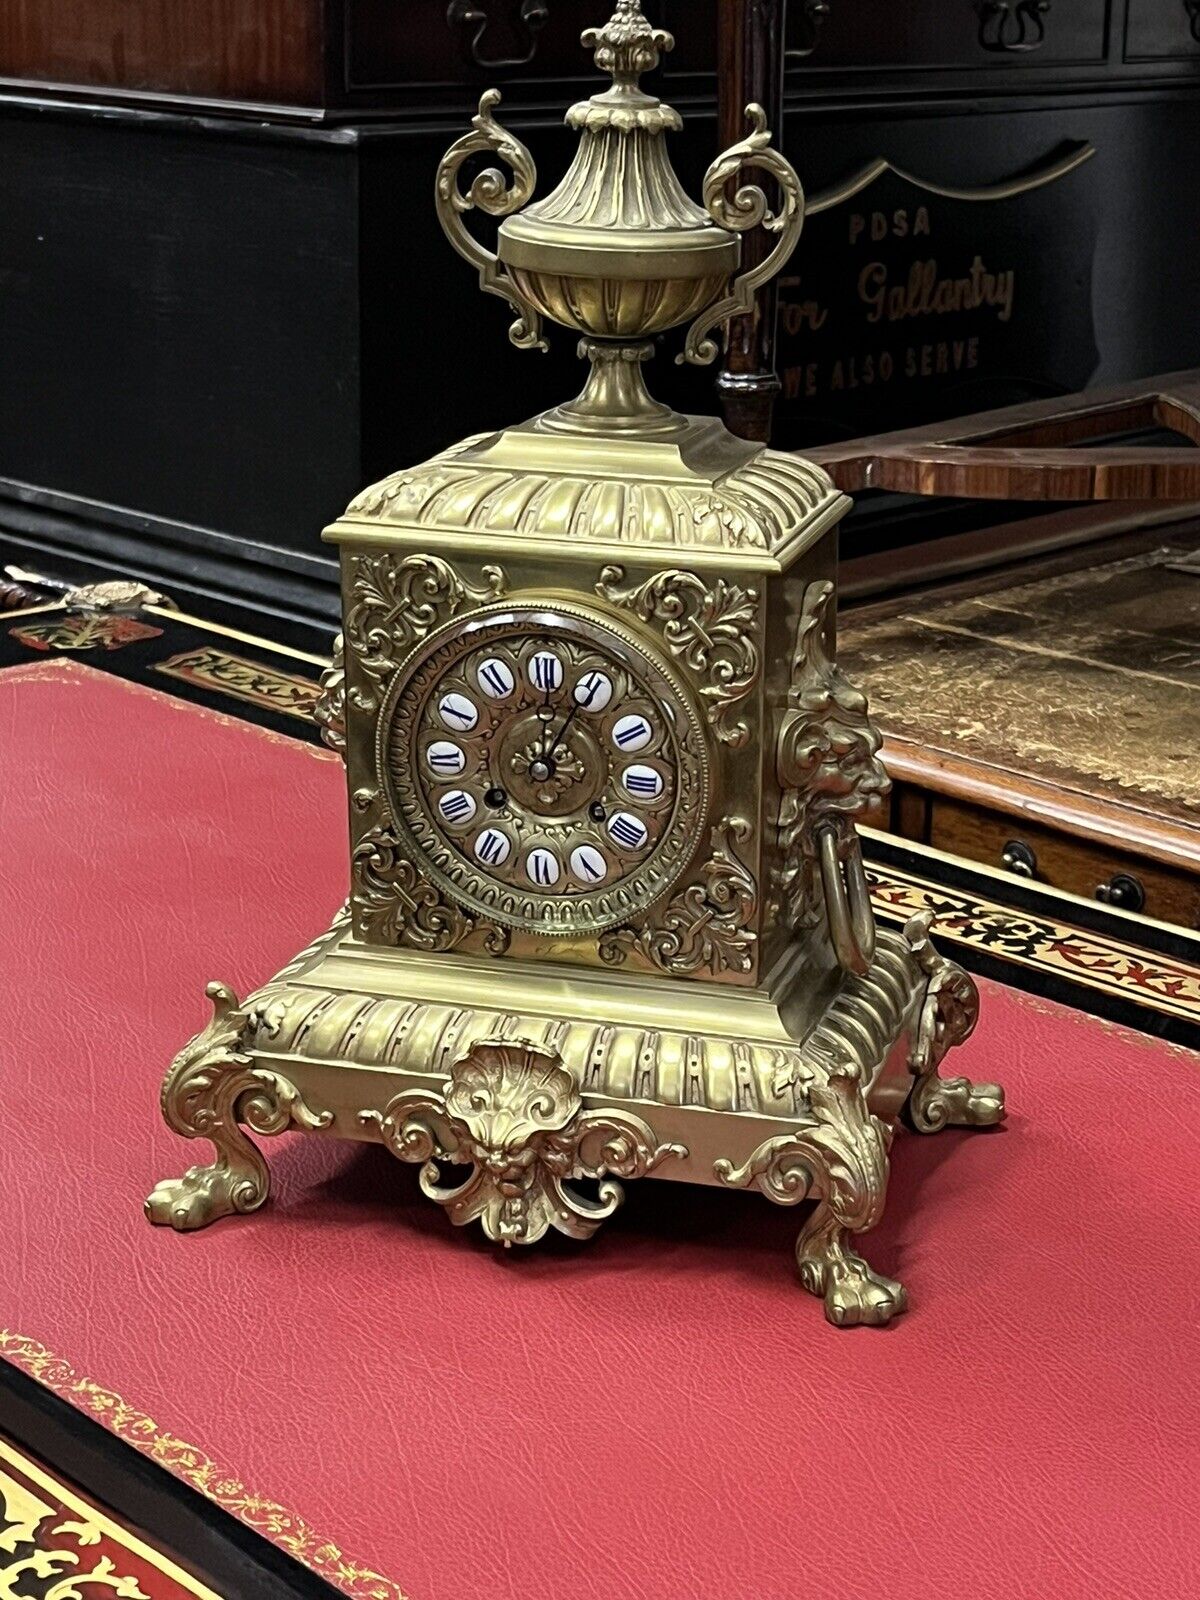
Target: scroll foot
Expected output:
[212,1087]
[830,1268]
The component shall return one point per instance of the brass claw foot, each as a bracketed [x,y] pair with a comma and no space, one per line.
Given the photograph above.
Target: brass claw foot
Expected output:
[948,1016]
[839,1151]
[211,1088]
[205,1193]
[852,1292]
[937,1103]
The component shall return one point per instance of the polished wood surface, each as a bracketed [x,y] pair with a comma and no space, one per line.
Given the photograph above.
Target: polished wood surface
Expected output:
[1039,451]
[256,50]
[1055,708]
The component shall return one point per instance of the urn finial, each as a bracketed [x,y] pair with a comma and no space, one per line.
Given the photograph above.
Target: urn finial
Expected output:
[619,252]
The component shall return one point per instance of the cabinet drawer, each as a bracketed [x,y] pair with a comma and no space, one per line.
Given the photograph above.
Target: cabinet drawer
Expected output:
[1162,30]
[1073,865]
[947,33]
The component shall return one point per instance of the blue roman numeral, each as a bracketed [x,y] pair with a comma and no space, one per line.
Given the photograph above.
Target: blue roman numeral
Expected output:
[627,833]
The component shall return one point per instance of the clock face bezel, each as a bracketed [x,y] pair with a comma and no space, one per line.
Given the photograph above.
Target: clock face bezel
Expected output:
[570,911]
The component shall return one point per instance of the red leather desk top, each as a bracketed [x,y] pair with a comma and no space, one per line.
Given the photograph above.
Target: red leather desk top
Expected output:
[658,1414]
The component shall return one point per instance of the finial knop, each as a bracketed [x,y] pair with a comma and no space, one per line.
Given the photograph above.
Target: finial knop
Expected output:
[627,45]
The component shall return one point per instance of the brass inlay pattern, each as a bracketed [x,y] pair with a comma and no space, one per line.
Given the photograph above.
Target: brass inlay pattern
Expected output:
[1040,944]
[259,685]
[91,630]
[54,1545]
[197,1469]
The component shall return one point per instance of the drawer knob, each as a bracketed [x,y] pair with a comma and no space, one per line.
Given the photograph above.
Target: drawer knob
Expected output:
[1019,858]
[1124,891]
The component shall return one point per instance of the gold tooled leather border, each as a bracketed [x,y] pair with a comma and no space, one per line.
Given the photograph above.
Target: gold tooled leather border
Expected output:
[282,1527]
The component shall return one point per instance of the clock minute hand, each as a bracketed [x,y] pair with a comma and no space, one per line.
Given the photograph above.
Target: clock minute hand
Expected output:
[552,745]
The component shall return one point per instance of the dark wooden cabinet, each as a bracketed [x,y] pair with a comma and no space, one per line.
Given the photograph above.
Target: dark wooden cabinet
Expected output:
[1162,30]
[270,51]
[972,34]
[226,302]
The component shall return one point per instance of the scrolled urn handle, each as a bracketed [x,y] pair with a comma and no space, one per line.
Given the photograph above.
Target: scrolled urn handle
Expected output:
[747,209]
[848,908]
[491,194]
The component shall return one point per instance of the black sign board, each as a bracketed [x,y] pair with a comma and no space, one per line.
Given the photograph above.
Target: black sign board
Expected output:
[908,302]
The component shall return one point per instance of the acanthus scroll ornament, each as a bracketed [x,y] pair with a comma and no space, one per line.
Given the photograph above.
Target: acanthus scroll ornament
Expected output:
[748,208]
[395,904]
[329,713]
[396,600]
[489,193]
[711,626]
[707,926]
[211,1088]
[513,1114]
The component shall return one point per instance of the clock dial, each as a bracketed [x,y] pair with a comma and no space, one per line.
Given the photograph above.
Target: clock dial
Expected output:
[551,769]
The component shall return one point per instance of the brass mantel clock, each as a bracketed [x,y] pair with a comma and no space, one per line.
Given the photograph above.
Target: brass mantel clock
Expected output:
[608,914]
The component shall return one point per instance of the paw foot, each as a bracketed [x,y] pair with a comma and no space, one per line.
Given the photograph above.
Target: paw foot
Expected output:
[853,1294]
[203,1195]
[955,1102]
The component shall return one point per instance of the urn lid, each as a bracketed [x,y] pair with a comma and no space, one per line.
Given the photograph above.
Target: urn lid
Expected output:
[620,211]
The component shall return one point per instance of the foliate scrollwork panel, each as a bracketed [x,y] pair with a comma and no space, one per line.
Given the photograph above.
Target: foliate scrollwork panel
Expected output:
[396,600]
[708,926]
[512,1113]
[329,713]
[395,904]
[827,762]
[711,626]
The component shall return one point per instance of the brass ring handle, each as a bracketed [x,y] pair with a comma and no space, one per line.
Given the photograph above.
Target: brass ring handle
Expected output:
[490,194]
[748,209]
[847,901]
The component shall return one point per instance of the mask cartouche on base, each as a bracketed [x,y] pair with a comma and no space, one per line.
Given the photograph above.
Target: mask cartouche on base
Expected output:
[608,915]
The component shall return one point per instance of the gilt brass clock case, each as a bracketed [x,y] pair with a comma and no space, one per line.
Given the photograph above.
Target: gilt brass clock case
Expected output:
[510,730]
[719,1006]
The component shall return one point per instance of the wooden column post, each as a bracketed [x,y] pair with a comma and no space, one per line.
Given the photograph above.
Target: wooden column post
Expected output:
[750,44]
